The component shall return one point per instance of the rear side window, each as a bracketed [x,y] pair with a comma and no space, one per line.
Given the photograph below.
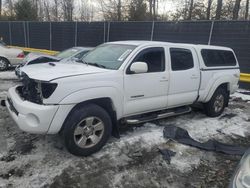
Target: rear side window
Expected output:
[214,58]
[181,59]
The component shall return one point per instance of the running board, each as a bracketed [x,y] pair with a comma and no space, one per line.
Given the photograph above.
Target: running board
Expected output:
[157,115]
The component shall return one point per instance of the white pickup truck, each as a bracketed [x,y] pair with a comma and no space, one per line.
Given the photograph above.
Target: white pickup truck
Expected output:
[121,82]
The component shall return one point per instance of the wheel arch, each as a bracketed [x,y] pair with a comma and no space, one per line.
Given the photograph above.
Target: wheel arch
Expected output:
[107,104]
[221,84]
[5,58]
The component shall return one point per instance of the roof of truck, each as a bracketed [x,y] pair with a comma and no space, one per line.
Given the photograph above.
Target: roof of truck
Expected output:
[143,43]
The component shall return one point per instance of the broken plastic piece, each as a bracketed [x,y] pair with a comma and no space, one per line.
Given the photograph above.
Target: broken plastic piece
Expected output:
[181,135]
[167,154]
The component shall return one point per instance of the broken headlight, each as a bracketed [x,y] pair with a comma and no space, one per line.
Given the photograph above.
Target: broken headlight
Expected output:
[35,90]
[48,89]
[242,176]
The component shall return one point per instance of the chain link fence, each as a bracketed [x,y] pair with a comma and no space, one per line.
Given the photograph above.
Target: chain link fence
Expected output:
[62,35]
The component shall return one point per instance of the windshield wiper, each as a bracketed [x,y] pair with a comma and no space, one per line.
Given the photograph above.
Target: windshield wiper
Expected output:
[97,65]
[81,61]
[93,64]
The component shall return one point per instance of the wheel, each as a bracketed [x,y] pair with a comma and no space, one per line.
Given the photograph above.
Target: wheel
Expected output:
[217,103]
[4,64]
[87,130]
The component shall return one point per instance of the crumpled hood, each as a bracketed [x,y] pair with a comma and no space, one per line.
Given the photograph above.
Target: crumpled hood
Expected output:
[32,56]
[48,72]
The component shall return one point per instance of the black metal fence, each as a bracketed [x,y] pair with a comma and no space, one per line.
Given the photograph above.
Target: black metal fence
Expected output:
[62,35]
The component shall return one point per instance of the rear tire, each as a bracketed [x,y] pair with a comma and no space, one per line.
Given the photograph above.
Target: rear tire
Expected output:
[4,64]
[87,130]
[217,103]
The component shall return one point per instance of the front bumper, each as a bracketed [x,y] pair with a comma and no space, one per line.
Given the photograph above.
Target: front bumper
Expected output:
[30,117]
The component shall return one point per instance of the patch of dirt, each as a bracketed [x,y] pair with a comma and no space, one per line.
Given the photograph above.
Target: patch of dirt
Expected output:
[228,116]
[24,144]
[133,161]
[17,172]
[215,174]
[8,158]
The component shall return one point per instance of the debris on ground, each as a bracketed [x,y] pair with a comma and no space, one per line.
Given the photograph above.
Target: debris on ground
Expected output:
[134,160]
[182,136]
[167,154]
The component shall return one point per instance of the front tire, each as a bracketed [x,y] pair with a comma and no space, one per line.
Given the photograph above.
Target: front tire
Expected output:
[217,103]
[87,130]
[4,64]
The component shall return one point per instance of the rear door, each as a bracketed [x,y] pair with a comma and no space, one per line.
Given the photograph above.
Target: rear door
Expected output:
[184,76]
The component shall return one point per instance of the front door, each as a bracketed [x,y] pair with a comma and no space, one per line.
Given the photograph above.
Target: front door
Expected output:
[146,92]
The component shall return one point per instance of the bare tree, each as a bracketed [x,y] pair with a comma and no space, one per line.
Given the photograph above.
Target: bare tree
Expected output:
[0,8]
[150,9]
[137,10]
[191,6]
[47,10]
[114,9]
[119,11]
[154,9]
[68,7]
[218,10]
[86,11]
[247,10]
[10,8]
[35,3]
[55,10]
[209,4]
[236,9]
[186,9]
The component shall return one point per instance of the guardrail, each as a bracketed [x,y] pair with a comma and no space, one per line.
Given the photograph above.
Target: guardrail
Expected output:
[245,77]
[44,51]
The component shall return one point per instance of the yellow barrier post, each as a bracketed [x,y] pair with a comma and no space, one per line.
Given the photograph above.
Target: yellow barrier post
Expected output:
[44,51]
[245,77]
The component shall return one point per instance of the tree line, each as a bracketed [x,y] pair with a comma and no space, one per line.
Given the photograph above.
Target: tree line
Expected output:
[123,10]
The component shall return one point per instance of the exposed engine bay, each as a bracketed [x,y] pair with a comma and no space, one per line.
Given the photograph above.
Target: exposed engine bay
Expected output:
[35,91]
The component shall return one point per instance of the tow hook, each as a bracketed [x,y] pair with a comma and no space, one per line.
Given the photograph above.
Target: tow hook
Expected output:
[3,103]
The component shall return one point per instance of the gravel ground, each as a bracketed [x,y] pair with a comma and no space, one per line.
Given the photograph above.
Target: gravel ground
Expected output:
[133,161]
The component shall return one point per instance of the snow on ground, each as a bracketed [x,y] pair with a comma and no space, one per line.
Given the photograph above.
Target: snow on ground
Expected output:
[243,94]
[3,94]
[133,160]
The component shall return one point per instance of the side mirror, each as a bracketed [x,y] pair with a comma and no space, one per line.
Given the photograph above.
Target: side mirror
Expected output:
[139,67]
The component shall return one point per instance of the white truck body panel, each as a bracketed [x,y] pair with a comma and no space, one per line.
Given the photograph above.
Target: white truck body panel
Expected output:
[130,94]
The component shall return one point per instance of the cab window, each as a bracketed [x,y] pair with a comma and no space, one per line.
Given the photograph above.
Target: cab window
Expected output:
[181,59]
[214,58]
[154,57]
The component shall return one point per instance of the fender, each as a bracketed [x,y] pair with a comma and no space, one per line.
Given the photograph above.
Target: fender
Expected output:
[221,80]
[95,93]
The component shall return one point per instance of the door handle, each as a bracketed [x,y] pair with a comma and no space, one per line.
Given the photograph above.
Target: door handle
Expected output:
[194,76]
[164,79]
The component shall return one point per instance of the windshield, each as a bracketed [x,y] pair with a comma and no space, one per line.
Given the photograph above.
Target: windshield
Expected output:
[110,56]
[67,53]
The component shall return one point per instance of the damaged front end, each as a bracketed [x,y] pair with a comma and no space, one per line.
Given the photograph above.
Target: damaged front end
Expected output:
[35,90]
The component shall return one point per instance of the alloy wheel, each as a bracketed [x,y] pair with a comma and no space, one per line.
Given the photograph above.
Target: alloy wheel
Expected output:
[88,132]
[219,103]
